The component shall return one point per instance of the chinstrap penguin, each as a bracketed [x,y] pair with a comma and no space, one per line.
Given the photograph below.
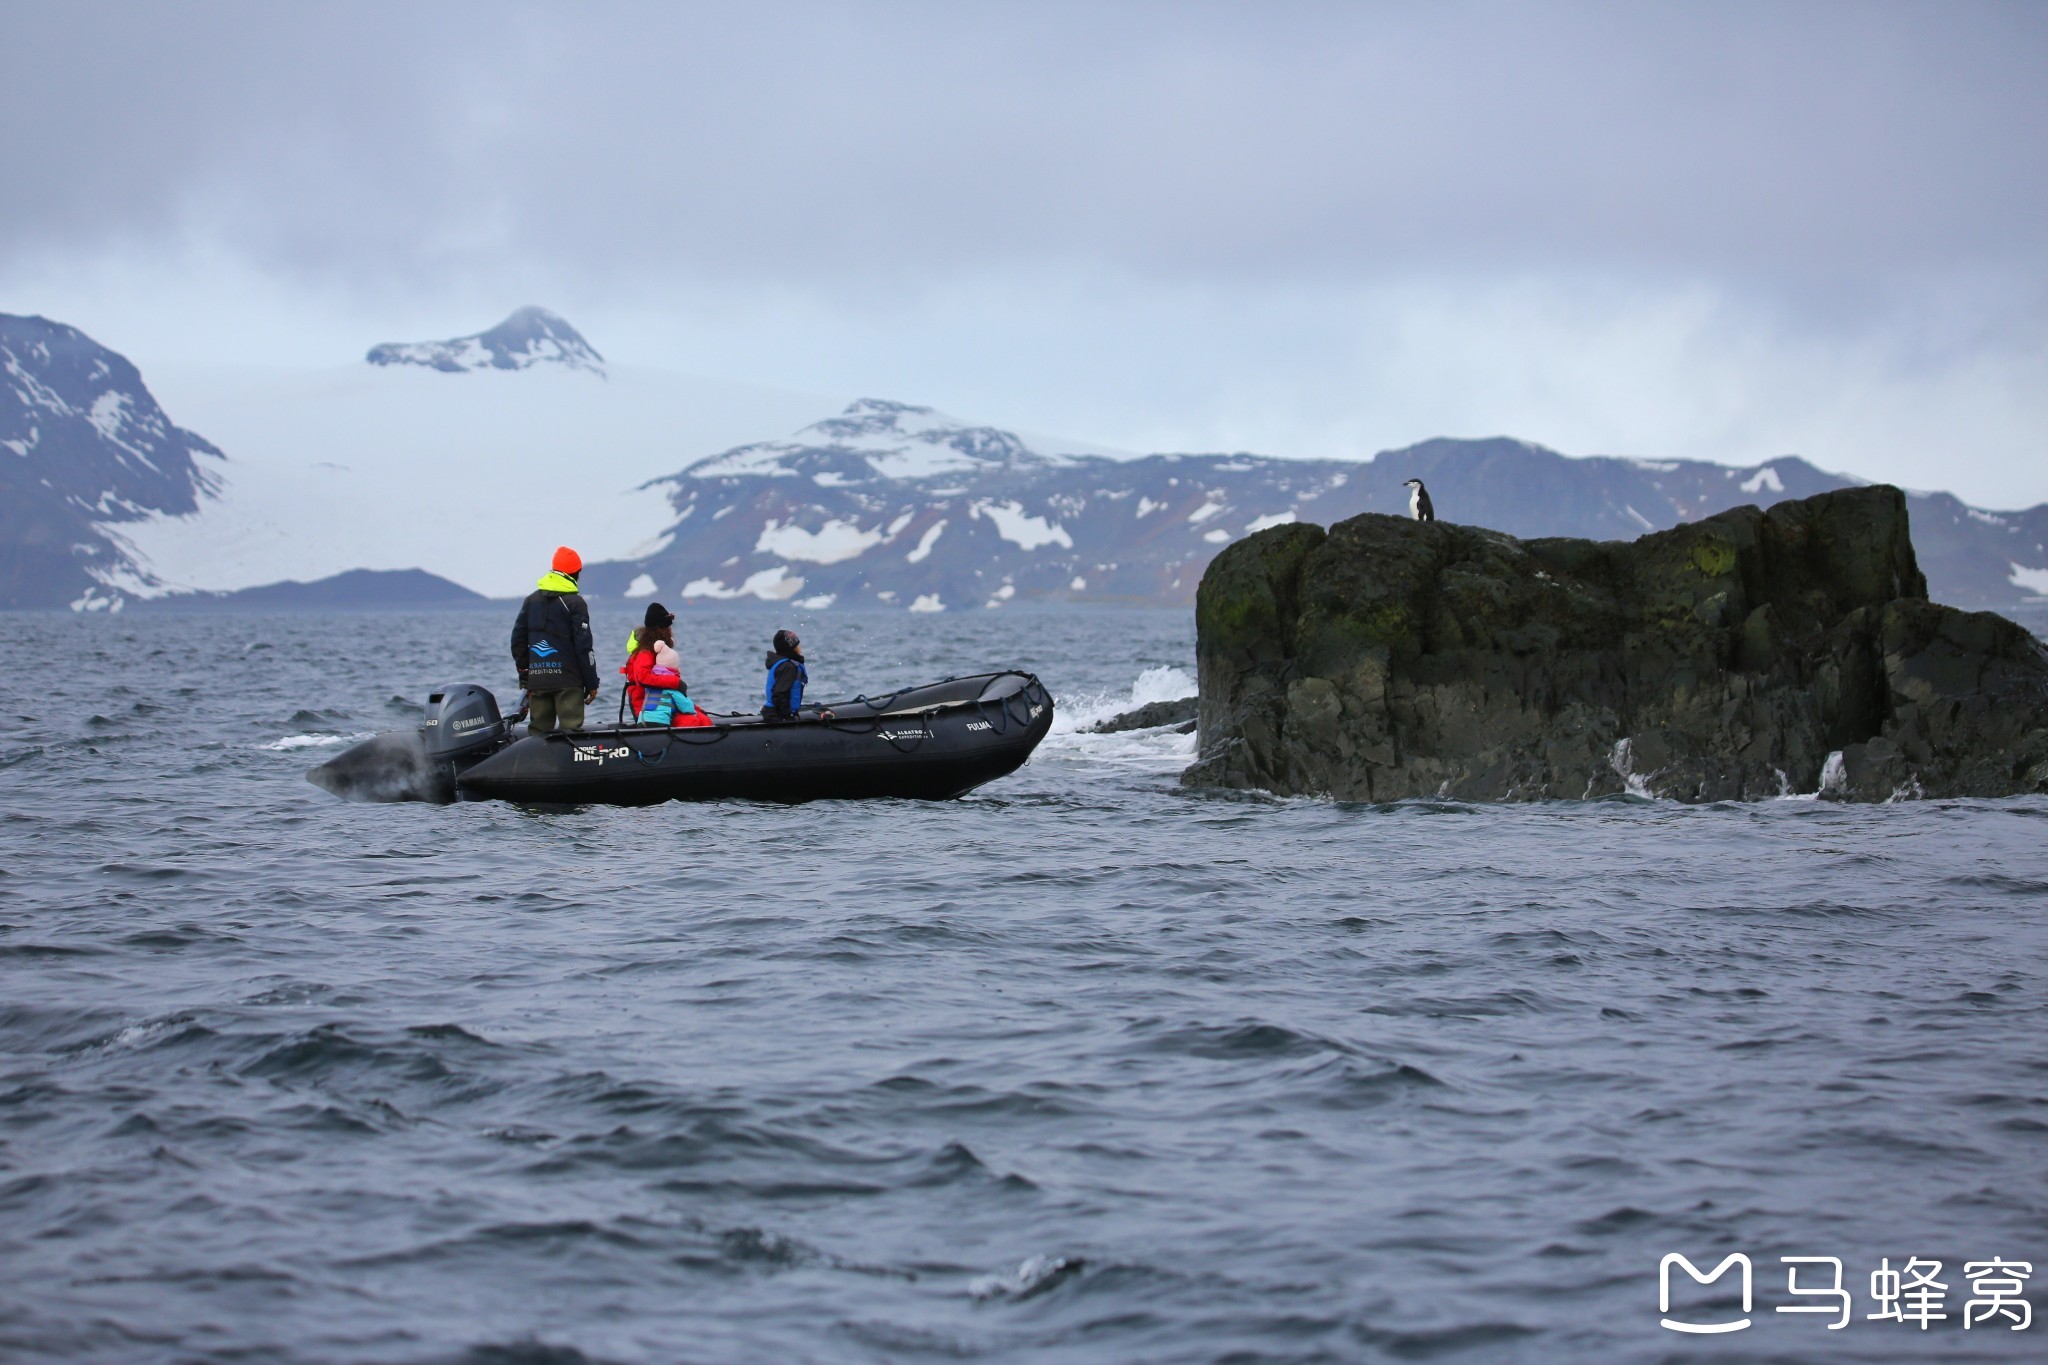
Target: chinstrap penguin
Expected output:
[1418,501]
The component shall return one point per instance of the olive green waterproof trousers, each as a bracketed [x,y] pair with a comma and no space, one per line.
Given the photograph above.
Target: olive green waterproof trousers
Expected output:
[554,711]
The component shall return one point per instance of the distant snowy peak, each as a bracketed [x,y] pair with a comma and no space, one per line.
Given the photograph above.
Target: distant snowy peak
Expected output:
[875,439]
[530,337]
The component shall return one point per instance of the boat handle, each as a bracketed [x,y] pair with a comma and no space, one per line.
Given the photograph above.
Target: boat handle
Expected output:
[713,734]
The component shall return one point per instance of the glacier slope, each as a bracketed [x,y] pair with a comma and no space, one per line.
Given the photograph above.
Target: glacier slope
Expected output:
[475,476]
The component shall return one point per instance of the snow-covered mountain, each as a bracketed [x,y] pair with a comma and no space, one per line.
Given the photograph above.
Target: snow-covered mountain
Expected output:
[899,506]
[530,336]
[85,454]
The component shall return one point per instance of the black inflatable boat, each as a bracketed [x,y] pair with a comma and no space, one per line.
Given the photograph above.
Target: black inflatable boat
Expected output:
[932,742]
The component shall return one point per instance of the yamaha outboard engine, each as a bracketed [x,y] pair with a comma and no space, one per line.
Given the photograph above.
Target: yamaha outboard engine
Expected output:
[464,721]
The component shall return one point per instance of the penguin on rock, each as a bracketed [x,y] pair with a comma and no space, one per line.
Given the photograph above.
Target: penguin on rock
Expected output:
[1419,505]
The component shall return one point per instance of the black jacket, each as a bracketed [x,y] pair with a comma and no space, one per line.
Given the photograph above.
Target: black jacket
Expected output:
[551,643]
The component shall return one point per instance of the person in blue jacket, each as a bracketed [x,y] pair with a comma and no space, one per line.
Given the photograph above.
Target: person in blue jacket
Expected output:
[783,691]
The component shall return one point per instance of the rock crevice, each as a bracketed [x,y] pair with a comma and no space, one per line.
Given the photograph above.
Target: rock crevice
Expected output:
[1748,655]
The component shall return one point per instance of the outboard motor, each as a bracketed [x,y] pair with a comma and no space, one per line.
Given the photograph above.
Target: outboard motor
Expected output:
[464,723]
[463,728]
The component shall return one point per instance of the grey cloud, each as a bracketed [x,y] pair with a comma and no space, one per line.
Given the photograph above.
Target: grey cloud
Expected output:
[1789,143]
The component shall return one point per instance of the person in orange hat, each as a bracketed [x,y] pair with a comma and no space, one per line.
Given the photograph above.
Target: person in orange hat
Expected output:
[553,649]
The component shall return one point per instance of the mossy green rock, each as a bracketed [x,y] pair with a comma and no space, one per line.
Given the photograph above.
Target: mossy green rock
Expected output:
[1752,654]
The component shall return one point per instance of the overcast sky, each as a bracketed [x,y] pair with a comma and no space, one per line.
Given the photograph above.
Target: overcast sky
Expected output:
[1723,231]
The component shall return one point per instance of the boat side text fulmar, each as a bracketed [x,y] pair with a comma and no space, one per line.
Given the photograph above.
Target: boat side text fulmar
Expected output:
[930,743]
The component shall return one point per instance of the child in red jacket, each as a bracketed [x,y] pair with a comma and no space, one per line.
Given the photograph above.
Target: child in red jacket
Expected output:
[655,691]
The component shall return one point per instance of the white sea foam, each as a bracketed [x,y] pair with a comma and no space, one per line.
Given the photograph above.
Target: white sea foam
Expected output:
[1158,746]
[290,742]
[1622,759]
[138,1035]
[1834,779]
[1033,1276]
[1164,683]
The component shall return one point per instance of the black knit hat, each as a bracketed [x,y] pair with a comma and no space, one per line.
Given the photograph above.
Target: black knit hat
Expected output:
[657,617]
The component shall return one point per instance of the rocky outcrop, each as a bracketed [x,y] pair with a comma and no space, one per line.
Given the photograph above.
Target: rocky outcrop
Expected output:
[1180,713]
[1751,654]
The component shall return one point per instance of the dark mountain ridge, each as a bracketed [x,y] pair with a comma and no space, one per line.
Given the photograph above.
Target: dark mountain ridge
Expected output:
[355,590]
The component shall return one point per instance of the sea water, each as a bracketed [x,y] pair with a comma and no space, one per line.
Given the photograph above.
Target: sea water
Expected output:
[1085,1066]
